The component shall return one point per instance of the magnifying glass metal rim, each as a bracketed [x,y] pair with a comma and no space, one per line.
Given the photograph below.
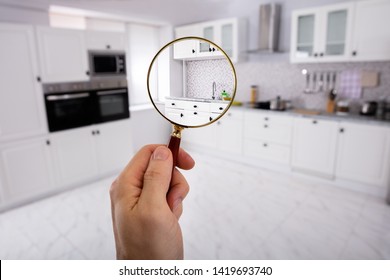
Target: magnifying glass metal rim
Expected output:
[226,56]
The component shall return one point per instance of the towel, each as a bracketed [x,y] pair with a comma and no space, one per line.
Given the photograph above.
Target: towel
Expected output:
[350,86]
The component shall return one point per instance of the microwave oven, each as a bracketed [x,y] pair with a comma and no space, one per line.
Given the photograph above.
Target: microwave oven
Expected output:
[103,63]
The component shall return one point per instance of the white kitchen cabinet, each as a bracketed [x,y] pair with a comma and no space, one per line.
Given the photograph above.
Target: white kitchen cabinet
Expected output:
[28,169]
[75,155]
[363,154]
[186,49]
[21,101]
[102,40]
[267,136]
[84,153]
[114,146]
[229,133]
[63,54]
[371,37]
[224,136]
[314,145]
[322,34]
[229,34]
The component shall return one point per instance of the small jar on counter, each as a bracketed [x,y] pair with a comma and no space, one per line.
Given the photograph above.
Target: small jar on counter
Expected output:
[254,93]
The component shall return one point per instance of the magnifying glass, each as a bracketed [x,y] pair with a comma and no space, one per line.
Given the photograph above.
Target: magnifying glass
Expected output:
[191,83]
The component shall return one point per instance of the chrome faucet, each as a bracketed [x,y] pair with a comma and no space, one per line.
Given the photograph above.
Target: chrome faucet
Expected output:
[214,89]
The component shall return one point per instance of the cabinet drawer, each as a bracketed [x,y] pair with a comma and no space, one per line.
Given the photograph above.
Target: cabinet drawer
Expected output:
[177,104]
[267,151]
[197,106]
[269,131]
[218,107]
[253,116]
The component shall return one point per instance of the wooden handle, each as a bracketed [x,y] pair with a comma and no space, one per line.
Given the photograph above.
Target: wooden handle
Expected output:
[174,143]
[174,146]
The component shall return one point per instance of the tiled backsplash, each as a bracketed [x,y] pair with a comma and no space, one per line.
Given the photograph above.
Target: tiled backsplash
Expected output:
[202,73]
[286,80]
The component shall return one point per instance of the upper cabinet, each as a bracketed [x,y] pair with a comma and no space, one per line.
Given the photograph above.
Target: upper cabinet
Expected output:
[229,34]
[352,31]
[322,34]
[99,40]
[62,54]
[21,99]
[371,40]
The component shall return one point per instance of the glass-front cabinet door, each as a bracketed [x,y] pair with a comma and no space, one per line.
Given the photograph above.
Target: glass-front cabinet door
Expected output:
[227,38]
[321,34]
[337,24]
[208,33]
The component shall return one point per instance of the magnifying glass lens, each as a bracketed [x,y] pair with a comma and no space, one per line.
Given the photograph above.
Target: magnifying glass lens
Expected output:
[191,83]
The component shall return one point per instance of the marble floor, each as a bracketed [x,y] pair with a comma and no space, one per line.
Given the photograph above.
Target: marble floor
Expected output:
[232,212]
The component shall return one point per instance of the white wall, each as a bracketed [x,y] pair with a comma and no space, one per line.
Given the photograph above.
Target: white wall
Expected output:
[20,14]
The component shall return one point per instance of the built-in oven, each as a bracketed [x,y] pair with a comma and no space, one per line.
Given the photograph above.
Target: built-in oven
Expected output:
[72,105]
[111,104]
[104,63]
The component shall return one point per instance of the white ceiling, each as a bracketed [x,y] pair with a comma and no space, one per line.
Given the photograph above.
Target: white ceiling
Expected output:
[169,11]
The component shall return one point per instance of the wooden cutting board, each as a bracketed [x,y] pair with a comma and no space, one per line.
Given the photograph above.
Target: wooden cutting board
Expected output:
[306,112]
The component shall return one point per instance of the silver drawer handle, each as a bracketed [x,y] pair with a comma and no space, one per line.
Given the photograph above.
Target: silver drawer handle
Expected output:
[107,92]
[67,96]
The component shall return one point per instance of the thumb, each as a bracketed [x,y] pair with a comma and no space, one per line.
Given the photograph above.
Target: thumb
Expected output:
[157,177]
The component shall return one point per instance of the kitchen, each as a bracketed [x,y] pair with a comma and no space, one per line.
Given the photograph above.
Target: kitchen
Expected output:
[308,180]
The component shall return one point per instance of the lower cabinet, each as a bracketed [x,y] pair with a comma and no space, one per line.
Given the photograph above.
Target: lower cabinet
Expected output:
[363,154]
[43,165]
[314,145]
[225,135]
[267,137]
[26,169]
[84,153]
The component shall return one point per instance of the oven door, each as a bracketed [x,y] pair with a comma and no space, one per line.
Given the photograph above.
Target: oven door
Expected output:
[70,110]
[112,105]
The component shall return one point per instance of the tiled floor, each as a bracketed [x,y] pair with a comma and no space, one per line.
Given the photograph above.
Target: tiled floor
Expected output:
[232,212]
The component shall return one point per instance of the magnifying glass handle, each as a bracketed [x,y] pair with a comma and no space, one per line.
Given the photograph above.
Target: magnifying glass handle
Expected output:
[174,143]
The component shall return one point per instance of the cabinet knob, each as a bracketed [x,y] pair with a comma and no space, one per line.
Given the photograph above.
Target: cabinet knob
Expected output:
[48,142]
[97,132]
[229,114]
[38,79]
[181,115]
[314,121]
[266,119]
[210,49]
[173,104]
[195,106]
[193,51]
[341,130]
[108,47]
[210,119]
[93,132]
[354,53]
[195,113]
[219,123]
[315,54]
[266,126]
[220,108]
[265,145]
[321,54]
[213,49]
[87,73]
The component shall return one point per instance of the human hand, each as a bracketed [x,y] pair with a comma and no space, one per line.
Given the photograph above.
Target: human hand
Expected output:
[146,204]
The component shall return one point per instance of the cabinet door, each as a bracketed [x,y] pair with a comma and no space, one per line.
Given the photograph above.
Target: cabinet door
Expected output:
[98,40]
[314,146]
[63,54]
[202,137]
[114,147]
[305,32]
[338,20]
[229,133]
[27,168]
[371,38]
[75,155]
[175,115]
[363,153]
[21,100]
[185,49]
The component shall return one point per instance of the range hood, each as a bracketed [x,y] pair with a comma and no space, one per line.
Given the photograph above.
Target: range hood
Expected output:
[269,22]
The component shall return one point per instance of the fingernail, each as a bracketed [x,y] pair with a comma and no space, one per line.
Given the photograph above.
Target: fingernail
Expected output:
[161,153]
